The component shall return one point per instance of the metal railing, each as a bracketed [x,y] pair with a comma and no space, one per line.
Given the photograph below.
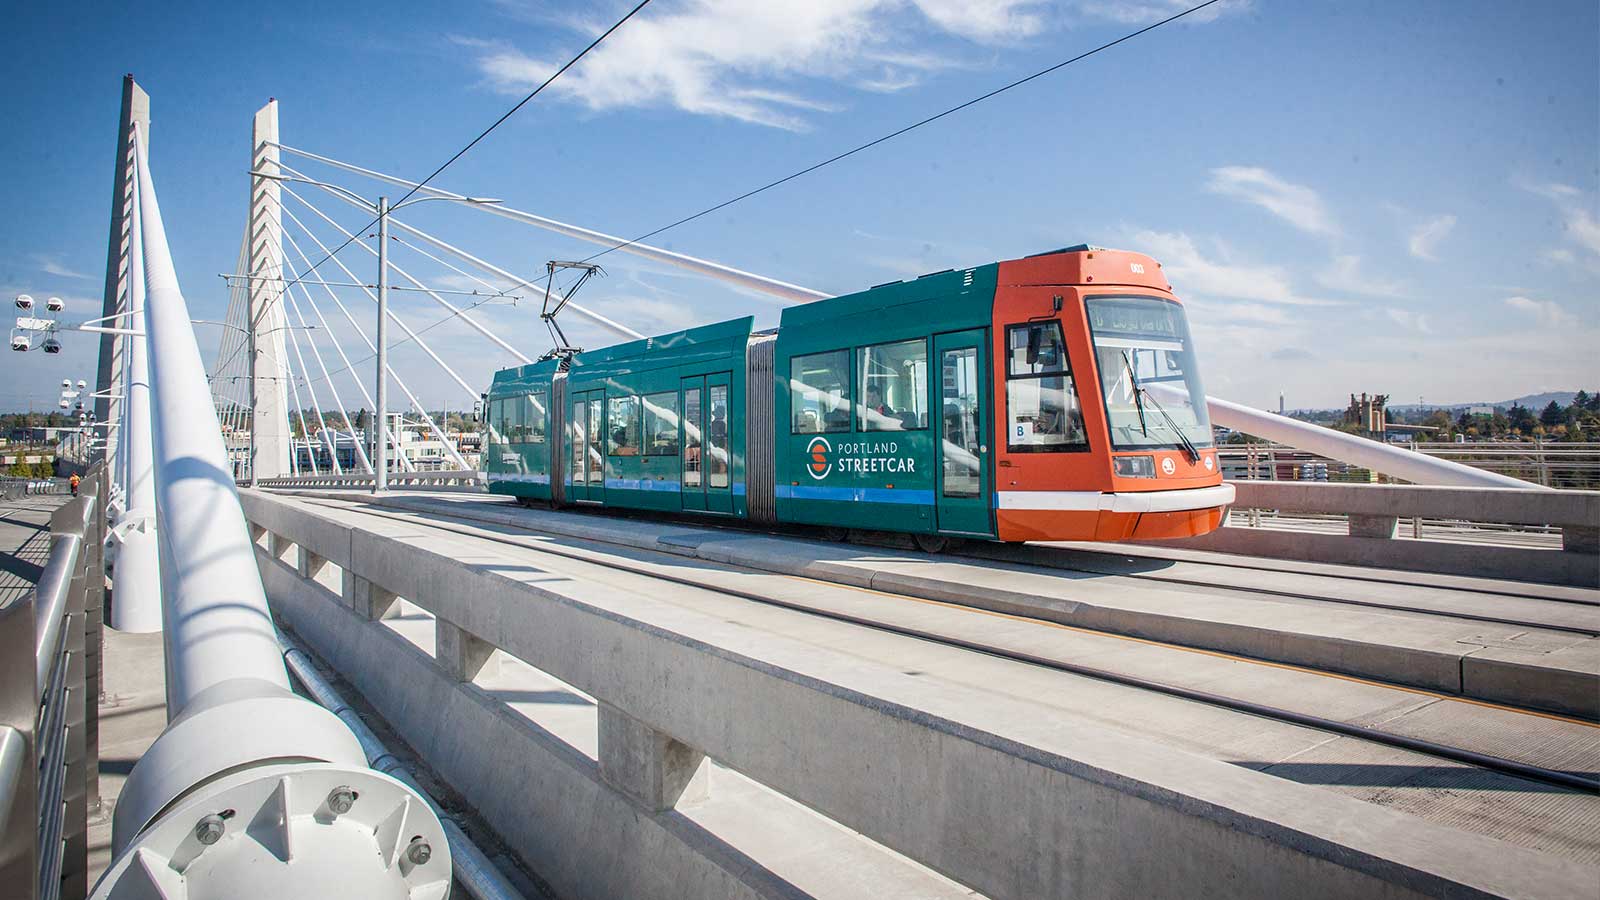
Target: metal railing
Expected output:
[1546,463]
[1531,534]
[450,479]
[48,728]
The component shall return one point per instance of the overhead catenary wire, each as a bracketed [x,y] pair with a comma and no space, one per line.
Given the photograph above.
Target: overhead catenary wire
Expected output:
[485,133]
[470,259]
[470,321]
[912,127]
[393,317]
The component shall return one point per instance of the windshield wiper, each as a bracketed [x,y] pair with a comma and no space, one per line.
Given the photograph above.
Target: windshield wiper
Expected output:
[1189,449]
[1140,395]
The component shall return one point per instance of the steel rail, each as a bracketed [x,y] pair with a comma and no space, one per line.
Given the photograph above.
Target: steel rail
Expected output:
[1570,780]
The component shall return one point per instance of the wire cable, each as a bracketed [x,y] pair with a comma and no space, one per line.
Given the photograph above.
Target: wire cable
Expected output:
[912,127]
[485,133]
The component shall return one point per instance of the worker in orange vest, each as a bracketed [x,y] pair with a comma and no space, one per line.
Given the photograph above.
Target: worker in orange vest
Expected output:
[74,483]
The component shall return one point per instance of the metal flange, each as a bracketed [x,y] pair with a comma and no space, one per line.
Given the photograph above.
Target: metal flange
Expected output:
[287,831]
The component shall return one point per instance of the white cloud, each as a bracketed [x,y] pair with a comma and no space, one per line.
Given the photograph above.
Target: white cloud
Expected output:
[985,20]
[1547,313]
[1409,319]
[1425,238]
[1143,12]
[1192,273]
[758,62]
[1296,204]
[52,265]
[1578,222]
[1345,273]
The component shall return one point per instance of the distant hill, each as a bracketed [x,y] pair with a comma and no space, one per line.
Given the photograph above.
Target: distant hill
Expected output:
[1534,402]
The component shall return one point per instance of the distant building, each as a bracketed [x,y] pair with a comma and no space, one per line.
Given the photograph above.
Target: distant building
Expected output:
[1486,412]
[1368,414]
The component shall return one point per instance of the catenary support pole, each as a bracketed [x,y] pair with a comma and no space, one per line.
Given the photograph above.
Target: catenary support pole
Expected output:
[380,481]
[400,382]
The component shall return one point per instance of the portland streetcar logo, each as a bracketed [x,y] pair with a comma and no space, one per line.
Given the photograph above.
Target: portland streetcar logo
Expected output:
[821,458]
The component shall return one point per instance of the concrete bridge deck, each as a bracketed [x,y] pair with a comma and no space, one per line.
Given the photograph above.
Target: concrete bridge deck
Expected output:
[1030,658]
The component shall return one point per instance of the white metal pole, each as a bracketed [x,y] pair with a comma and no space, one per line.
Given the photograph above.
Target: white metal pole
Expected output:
[136,596]
[380,480]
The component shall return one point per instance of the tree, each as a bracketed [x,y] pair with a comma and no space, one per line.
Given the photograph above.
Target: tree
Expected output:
[1553,414]
[1580,400]
[1521,418]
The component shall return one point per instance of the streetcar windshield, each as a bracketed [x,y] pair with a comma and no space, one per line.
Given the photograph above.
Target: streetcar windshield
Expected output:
[1147,372]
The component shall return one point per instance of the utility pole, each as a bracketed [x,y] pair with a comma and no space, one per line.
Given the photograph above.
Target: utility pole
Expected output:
[381,480]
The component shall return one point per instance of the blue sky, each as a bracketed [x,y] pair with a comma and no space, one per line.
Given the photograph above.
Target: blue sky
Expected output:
[1355,196]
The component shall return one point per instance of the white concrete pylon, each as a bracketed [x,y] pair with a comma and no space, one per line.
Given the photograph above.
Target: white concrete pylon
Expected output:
[269,420]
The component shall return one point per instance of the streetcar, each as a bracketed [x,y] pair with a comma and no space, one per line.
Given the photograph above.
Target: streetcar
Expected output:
[1050,398]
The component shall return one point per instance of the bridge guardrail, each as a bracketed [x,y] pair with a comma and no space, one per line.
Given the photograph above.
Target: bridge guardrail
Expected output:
[447,480]
[49,667]
[930,773]
[1373,513]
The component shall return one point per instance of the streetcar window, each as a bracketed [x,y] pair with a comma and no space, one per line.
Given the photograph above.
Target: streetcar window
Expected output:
[516,419]
[501,428]
[717,438]
[693,431]
[535,409]
[894,386]
[661,424]
[1042,408]
[819,392]
[624,426]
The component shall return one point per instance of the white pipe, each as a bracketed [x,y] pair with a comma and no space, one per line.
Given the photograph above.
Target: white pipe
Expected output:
[218,627]
[1379,457]
[791,293]
[136,579]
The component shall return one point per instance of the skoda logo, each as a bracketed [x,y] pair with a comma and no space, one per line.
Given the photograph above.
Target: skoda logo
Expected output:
[821,458]
[1167,468]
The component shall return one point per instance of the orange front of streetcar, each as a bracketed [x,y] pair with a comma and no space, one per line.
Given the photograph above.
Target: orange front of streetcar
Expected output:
[1101,430]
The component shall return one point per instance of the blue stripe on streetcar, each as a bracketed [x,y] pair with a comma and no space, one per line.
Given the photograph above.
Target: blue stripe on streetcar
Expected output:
[640,484]
[845,494]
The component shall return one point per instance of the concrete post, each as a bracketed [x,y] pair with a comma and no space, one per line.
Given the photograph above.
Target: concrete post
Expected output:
[135,110]
[367,599]
[1385,527]
[460,653]
[651,767]
[1580,539]
[310,564]
[269,401]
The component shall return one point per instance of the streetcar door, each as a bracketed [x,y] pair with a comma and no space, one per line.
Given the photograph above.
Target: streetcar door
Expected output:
[693,476]
[962,469]
[718,452]
[588,470]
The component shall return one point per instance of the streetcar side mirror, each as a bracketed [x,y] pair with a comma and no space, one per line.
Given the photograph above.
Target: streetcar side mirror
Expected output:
[1035,337]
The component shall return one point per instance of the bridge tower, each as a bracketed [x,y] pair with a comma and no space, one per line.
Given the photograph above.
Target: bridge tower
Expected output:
[108,383]
[269,402]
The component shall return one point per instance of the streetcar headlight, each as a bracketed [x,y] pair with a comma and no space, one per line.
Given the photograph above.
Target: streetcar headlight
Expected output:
[1134,466]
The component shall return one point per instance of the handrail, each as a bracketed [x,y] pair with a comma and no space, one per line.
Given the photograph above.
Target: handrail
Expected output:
[1512,506]
[45,741]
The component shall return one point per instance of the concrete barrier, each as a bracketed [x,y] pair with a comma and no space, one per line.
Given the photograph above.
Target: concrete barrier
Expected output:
[1374,512]
[981,789]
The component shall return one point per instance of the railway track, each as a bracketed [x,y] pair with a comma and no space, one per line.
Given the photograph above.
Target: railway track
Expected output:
[668,567]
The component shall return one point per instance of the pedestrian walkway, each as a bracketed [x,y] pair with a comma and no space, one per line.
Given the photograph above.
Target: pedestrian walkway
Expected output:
[24,542]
